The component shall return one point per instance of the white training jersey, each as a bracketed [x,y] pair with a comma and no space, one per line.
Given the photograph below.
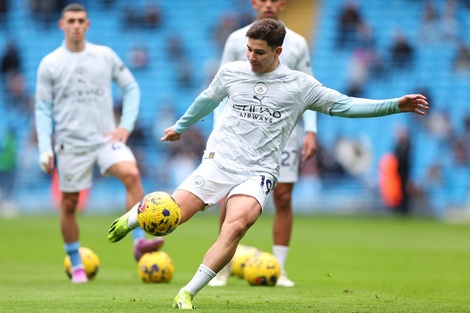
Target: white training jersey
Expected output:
[260,114]
[79,87]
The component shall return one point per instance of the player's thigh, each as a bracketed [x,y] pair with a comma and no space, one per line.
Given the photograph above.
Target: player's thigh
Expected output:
[290,158]
[75,170]
[189,204]
[242,208]
[114,153]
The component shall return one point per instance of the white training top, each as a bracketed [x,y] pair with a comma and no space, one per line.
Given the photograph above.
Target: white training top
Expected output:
[295,55]
[79,87]
[261,112]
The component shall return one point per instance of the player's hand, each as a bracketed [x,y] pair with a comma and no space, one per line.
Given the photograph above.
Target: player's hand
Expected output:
[119,134]
[46,162]
[309,147]
[170,135]
[413,103]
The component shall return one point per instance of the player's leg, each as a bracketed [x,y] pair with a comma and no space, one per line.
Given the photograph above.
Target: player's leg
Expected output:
[70,233]
[242,212]
[221,279]
[223,211]
[119,161]
[244,205]
[75,173]
[282,228]
[282,198]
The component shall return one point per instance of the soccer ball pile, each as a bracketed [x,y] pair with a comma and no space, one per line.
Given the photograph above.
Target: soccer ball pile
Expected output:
[257,267]
[158,214]
[90,261]
[156,267]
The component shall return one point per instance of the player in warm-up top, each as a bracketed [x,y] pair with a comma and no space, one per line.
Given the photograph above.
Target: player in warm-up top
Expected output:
[74,101]
[296,56]
[266,99]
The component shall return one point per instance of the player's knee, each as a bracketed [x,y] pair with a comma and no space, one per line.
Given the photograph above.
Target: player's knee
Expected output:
[69,203]
[132,176]
[283,199]
[237,229]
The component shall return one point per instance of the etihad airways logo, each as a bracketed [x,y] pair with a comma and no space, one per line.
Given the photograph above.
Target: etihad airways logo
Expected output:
[81,93]
[257,112]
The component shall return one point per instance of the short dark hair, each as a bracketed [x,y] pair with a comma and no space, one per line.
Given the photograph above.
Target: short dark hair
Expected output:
[269,30]
[74,7]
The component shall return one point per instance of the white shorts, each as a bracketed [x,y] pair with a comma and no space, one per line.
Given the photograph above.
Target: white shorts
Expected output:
[289,171]
[211,184]
[76,169]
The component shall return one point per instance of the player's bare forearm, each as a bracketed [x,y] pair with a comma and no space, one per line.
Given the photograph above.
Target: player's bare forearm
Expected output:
[414,103]
[170,135]
[309,147]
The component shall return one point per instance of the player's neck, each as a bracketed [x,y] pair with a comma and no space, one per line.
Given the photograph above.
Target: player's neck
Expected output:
[273,67]
[75,46]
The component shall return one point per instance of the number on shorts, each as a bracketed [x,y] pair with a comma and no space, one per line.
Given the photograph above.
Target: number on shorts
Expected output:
[116,145]
[289,157]
[266,184]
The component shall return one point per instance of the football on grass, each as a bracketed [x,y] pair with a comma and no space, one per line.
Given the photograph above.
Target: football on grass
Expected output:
[156,267]
[90,260]
[262,270]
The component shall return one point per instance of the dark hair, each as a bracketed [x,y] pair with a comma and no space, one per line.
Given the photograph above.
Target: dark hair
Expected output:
[74,7]
[269,30]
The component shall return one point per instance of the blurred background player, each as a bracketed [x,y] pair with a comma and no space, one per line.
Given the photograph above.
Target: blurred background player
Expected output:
[296,56]
[73,92]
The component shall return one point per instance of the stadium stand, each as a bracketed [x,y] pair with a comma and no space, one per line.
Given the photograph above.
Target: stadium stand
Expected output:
[439,178]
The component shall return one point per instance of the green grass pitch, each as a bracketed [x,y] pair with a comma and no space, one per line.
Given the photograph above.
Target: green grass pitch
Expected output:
[339,264]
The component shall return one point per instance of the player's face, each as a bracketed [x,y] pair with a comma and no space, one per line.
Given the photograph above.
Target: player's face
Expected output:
[263,58]
[74,24]
[268,8]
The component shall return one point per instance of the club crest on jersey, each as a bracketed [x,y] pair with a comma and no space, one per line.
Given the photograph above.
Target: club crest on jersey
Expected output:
[198,181]
[261,88]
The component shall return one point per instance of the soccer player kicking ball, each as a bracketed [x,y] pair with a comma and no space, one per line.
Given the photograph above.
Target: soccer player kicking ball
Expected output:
[74,91]
[265,101]
[296,56]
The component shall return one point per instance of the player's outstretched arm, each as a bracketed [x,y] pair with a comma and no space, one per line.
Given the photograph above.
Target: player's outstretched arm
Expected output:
[170,135]
[413,103]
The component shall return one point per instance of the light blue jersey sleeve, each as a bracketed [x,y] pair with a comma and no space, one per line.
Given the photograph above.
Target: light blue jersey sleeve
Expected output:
[358,107]
[202,106]
[43,117]
[310,121]
[130,106]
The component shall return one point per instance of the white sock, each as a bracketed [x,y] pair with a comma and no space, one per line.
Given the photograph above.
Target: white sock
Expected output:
[132,221]
[200,279]
[280,253]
